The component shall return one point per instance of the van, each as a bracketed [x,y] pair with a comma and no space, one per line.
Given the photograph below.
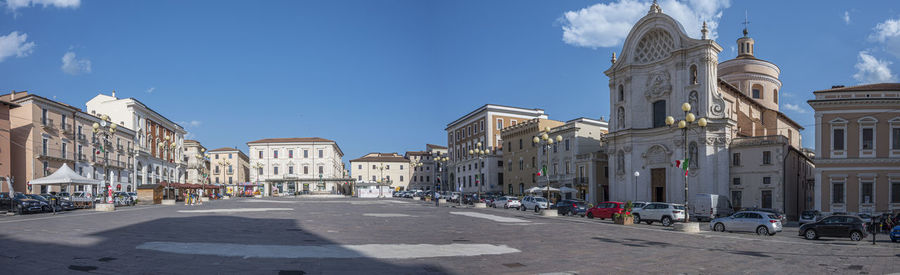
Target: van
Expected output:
[706,207]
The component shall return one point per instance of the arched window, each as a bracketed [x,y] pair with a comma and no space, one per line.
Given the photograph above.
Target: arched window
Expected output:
[756,91]
[620,118]
[693,155]
[694,74]
[659,113]
[775,96]
[621,93]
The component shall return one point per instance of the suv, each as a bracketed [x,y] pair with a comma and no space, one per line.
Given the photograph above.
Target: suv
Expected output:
[665,213]
[835,226]
[531,202]
[571,207]
[19,203]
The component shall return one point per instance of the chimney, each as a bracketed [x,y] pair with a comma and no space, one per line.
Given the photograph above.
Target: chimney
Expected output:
[837,86]
[114,94]
[12,95]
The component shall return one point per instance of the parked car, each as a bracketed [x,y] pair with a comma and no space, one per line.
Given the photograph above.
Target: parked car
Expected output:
[809,216]
[665,213]
[835,226]
[531,202]
[605,210]
[46,204]
[780,215]
[866,218]
[571,207]
[19,203]
[489,200]
[454,197]
[706,207]
[763,223]
[62,202]
[895,234]
[506,202]
[637,204]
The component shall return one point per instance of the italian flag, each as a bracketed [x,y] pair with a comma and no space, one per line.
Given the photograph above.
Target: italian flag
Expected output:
[683,164]
[542,172]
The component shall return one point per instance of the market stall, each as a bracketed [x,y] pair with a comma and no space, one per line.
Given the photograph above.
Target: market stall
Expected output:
[64,177]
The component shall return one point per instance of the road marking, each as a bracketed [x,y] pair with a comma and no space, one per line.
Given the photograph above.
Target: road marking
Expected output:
[235,210]
[81,214]
[270,201]
[489,217]
[386,215]
[378,251]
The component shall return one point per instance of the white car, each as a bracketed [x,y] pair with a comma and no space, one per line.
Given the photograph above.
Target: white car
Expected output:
[665,213]
[506,202]
[536,203]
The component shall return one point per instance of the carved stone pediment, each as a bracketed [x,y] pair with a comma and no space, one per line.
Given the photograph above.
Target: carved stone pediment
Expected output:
[657,154]
[659,84]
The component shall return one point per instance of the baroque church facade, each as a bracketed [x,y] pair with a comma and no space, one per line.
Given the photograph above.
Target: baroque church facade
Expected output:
[659,68]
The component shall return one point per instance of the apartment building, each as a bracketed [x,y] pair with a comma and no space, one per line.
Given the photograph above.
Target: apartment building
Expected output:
[581,137]
[159,141]
[858,148]
[425,176]
[230,166]
[46,134]
[5,137]
[384,168]
[196,161]
[768,172]
[520,154]
[295,165]
[469,173]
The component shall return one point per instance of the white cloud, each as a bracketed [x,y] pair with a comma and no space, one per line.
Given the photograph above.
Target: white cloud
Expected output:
[73,66]
[150,91]
[195,123]
[607,25]
[847,17]
[15,4]
[14,44]
[795,108]
[888,34]
[872,70]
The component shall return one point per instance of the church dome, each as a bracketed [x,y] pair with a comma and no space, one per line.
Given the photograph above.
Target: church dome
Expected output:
[756,78]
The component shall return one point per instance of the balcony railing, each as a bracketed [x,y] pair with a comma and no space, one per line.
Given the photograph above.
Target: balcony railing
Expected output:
[82,137]
[47,123]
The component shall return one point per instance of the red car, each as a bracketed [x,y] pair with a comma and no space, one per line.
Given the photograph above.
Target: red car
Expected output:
[605,210]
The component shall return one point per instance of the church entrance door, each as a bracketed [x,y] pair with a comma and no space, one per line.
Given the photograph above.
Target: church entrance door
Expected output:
[658,184]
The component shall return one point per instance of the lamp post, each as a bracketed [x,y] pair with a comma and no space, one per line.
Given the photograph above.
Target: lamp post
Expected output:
[438,160]
[258,166]
[544,138]
[479,153]
[684,125]
[636,175]
[106,129]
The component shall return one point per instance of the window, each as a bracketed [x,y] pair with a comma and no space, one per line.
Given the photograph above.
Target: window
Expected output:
[260,154]
[387,167]
[520,144]
[290,170]
[401,167]
[868,139]
[757,91]
[44,146]
[895,192]
[567,145]
[321,154]
[499,123]
[259,171]
[229,180]
[275,154]
[659,113]
[62,122]
[775,95]
[217,156]
[866,196]
[556,168]
[359,178]
[64,149]
[373,178]
[766,198]
[44,116]
[567,167]
[306,170]
[290,154]
[736,159]
[427,178]
[736,181]
[767,180]
[321,170]
[373,166]
[837,142]
[767,157]
[275,170]
[521,164]
[305,153]
[401,178]
[360,167]
[837,192]
[621,93]
[895,138]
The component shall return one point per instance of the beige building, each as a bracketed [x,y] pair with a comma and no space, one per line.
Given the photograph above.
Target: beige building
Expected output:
[197,163]
[49,134]
[5,138]
[229,166]
[520,154]
[388,168]
[423,172]
[483,125]
[768,172]
[858,148]
[577,161]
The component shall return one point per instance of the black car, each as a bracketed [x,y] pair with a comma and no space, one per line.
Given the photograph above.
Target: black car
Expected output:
[571,207]
[46,205]
[835,226]
[63,203]
[19,203]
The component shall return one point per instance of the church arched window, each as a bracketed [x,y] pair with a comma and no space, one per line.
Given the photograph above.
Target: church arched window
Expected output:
[775,96]
[621,93]
[659,113]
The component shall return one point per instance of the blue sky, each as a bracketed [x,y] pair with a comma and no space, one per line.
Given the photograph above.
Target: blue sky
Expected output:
[389,75]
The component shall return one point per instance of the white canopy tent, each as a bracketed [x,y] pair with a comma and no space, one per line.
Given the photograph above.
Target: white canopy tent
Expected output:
[65,176]
[567,190]
[533,190]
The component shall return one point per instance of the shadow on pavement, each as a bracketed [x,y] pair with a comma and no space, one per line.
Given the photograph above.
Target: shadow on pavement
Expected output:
[116,253]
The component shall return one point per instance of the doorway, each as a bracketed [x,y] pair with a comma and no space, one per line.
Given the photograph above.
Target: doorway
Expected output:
[658,184]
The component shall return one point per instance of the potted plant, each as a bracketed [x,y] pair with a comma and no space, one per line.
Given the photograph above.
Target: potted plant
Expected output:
[625,217]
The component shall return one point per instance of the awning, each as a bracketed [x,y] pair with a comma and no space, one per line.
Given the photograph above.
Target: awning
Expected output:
[64,175]
[540,189]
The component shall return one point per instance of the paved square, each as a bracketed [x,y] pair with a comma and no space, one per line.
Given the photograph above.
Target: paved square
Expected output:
[359,236]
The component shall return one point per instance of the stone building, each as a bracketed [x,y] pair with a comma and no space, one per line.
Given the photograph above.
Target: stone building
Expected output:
[297,165]
[230,166]
[196,161]
[858,148]
[520,154]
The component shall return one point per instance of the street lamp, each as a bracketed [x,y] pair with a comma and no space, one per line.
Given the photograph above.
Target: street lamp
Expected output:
[438,160]
[547,145]
[106,129]
[480,154]
[684,125]
[258,166]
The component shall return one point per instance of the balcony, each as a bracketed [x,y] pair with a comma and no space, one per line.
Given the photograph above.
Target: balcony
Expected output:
[47,123]
[67,130]
[760,140]
[82,137]
[120,148]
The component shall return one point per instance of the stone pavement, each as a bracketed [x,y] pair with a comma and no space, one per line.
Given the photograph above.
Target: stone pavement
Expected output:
[399,236]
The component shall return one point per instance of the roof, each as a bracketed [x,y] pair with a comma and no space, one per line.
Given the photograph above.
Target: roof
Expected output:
[225,149]
[284,140]
[417,153]
[746,98]
[432,146]
[9,103]
[381,157]
[487,107]
[867,87]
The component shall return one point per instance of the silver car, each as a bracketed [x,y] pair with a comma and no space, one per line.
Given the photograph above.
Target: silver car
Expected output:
[763,223]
